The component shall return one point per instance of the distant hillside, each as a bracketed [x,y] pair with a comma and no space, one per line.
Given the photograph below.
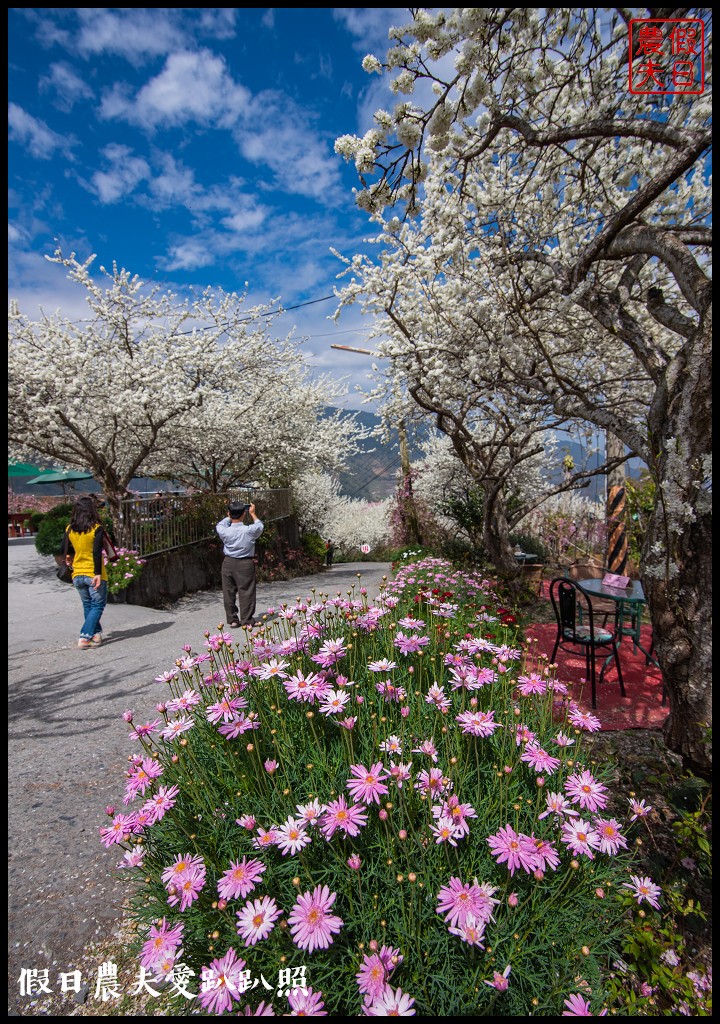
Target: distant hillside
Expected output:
[372,474]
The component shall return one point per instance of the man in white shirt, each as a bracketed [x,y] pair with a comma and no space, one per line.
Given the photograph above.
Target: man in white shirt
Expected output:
[238,567]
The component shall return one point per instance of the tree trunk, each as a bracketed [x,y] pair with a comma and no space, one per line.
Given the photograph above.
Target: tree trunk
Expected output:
[496,539]
[677,556]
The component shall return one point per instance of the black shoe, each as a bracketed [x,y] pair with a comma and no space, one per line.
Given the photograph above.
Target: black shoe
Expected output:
[234,624]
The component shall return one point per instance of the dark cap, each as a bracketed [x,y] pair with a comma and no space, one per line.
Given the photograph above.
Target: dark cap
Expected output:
[237,509]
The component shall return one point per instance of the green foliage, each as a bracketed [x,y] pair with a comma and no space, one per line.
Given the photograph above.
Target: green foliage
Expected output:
[556,929]
[531,544]
[52,529]
[467,511]
[35,519]
[313,545]
[639,504]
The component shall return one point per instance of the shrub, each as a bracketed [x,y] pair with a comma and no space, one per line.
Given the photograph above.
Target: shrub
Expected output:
[328,805]
[35,519]
[314,546]
[530,544]
[52,529]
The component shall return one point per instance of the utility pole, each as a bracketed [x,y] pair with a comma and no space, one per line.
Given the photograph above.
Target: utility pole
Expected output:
[407,498]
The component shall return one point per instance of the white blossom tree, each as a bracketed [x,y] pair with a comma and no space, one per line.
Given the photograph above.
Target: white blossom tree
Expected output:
[267,427]
[348,522]
[573,220]
[196,390]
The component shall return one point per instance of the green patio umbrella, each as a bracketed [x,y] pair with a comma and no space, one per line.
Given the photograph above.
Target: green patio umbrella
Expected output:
[64,479]
[61,478]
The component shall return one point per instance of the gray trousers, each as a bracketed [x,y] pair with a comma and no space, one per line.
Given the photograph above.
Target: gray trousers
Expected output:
[238,583]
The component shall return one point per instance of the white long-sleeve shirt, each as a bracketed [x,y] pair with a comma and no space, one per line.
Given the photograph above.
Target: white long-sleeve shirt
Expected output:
[239,539]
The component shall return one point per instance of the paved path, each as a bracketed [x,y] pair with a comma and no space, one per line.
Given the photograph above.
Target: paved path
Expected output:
[68,744]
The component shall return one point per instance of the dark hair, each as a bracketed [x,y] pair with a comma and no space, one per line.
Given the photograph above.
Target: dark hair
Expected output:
[84,515]
[237,509]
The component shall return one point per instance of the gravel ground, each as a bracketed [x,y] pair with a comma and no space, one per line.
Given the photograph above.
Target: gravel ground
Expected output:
[68,747]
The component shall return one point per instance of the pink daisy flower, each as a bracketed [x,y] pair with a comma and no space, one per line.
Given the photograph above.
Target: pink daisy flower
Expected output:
[120,830]
[264,838]
[432,782]
[238,725]
[372,976]
[338,815]
[577,1006]
[472,931]
[273,669]
[311,924]
[532,683]
[186,701]
[257,919]
[445,831]
[240,879]
[306,1003]
[585,790]
[225,710]
[174,729]
[457,901]
[514,849]
[557,804]
[368,784]
[163,941]
[639,808]
[185,890]
[500,981]
[292,837]
[180,866]
[381,666]
[611,838]
[583,720]
[477,723]
[457,813]
[221,983]
[334,702]
[410,644]
[310,812]
[643,888]
[161,802]
[141,775]
[539,759]
[391,1003]
[580,837]
[400,773]
[427,747]
[547,855]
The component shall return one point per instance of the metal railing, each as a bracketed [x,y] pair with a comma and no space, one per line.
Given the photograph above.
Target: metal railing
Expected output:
[157,524]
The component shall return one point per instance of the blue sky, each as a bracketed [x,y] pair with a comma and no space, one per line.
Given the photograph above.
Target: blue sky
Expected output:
[195,149]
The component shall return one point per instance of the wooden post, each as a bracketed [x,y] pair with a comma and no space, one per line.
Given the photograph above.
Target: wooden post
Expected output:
[617,554]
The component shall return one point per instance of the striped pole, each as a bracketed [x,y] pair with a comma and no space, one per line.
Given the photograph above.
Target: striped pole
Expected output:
[617,551]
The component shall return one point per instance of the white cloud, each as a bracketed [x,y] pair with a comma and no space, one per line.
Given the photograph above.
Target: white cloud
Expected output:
[68,87]
[191,87]
[125,173]
[370,25]
[135,34]
[244,220]
[34,135]
[279,138]
[189,254]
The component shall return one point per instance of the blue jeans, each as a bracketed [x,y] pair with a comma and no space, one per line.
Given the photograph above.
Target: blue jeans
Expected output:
[93,602]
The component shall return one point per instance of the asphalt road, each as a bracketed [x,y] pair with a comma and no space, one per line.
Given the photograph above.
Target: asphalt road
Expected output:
[68,745]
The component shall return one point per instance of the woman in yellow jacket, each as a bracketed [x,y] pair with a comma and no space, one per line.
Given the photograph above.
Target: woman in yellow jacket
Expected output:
[83,549]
